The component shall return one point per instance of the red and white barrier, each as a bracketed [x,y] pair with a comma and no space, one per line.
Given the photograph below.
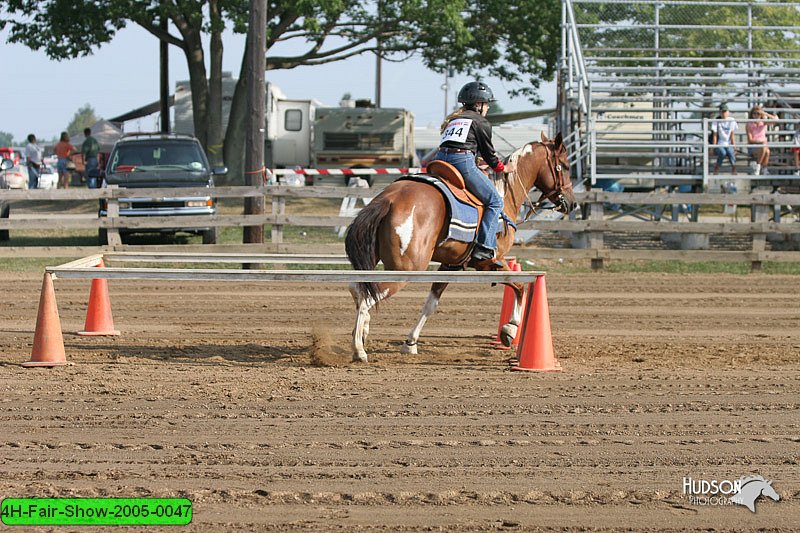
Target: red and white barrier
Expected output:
[345,171]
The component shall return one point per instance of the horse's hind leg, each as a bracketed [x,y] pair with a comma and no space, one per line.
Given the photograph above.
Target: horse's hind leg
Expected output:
[363,304]
[431,303]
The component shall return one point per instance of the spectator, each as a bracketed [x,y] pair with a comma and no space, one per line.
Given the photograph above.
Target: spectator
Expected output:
[33,158]
[89,149]
[722,135]
[757,134]
[64,151]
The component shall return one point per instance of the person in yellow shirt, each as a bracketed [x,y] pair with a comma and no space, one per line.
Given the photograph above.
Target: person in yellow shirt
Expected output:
[64,151]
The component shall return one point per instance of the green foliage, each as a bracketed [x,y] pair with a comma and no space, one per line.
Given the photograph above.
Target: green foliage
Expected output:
[697,42]
[84,117]
[6,139]
[496,109]
[516,40]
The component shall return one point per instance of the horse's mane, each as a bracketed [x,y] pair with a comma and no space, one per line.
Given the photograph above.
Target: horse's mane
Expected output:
[748,479]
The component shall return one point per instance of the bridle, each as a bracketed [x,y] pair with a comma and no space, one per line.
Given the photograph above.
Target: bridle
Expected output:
[555,196]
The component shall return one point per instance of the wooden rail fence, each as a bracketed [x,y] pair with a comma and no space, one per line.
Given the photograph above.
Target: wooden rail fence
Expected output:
[764,220]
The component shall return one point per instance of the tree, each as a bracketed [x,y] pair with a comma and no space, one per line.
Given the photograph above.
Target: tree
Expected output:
[84,117]
[516,40]
[495,109]
[6,139]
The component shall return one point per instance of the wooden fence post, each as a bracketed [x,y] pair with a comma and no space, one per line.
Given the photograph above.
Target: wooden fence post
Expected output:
[595,238]
[112,211]
[278,208]
[759,213]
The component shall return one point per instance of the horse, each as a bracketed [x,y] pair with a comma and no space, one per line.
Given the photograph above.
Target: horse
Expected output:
[751,488]
[405,227]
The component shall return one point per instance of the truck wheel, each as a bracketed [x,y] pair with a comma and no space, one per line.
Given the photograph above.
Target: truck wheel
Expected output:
[5,210]
[210,236]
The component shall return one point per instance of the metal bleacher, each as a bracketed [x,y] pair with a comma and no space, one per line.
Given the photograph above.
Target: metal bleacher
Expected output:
[640,80]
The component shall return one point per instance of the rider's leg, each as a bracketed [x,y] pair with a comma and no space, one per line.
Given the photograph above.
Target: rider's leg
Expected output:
[479,184]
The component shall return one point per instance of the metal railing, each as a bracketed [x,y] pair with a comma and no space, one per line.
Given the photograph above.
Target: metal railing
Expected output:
[653,72]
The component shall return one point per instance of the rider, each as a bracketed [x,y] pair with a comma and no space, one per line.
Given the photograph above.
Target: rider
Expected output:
[464,134]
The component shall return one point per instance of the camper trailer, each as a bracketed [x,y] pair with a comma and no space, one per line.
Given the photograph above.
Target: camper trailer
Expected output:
[304,133]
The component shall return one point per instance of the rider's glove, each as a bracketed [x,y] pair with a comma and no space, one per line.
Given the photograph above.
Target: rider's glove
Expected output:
[500,167]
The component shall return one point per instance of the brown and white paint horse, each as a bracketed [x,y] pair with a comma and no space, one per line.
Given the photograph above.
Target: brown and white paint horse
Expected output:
[404,225]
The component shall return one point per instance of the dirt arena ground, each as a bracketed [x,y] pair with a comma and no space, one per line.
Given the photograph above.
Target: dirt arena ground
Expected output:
[242,398]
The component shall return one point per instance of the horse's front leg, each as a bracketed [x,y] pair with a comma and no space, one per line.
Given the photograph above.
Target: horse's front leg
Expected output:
[431,303]
[509,330]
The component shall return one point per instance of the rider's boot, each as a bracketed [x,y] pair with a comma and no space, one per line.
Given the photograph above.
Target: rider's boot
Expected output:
[483,259]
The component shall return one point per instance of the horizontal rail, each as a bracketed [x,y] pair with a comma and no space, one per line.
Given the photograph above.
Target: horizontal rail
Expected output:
[329,276]
[220,257]
[663,226]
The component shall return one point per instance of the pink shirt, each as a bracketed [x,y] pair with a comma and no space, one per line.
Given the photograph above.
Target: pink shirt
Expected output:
[757,131]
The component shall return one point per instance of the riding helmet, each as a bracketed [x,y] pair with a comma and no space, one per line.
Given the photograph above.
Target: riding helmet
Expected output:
[474,92]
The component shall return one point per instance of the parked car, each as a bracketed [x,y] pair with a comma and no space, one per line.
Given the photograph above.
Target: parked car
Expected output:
[15,177]
[48,177]
[157,160]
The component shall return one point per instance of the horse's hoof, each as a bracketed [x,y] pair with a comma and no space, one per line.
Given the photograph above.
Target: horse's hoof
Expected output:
[408,349]
[360,357]
[507,334]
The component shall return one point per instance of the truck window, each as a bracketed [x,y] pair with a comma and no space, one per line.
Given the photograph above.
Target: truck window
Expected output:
[293,120]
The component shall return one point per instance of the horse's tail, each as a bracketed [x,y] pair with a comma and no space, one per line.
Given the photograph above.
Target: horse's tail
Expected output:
[361,242]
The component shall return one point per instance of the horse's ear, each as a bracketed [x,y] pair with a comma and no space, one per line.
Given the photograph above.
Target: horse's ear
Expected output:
[545,140]
[558,141]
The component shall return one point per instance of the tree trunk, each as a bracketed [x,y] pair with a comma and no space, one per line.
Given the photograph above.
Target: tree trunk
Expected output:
[235,134]
[198,81]
[254,143]
[214,148]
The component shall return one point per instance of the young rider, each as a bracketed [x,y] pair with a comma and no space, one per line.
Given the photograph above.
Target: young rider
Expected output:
[465,134]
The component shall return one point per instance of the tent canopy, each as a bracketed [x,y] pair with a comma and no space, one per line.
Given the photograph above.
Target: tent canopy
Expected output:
[104,131]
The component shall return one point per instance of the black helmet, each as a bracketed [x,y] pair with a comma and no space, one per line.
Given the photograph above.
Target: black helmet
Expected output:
[474,92]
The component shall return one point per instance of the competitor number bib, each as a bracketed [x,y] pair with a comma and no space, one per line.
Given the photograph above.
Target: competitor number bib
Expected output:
[457,130]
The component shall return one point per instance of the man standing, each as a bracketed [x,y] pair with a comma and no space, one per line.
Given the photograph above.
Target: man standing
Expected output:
[33,158]
[90,148]
[722,130]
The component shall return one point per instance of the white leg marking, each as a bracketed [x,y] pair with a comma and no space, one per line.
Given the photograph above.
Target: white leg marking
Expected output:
[509,331]
[431,303]
[406,231]
[362,326]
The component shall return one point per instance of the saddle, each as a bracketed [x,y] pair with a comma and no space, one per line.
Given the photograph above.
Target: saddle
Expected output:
[455,182]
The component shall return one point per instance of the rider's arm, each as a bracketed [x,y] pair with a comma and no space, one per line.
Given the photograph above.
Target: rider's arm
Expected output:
[483,136]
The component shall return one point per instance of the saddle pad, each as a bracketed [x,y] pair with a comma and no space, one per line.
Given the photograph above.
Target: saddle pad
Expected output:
[464,218]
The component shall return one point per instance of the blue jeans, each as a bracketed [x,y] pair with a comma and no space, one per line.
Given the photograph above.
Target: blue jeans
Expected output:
[479,185]
[92,167]
[725,151]
[33,177]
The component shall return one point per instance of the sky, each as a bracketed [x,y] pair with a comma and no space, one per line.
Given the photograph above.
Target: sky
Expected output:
[41,96]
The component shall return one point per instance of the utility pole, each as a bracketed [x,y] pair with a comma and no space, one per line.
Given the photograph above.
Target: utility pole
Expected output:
[164,76]
[378,74]
[378,53]
[255,123]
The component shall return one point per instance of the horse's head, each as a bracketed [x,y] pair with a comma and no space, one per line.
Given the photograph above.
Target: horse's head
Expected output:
[769,492]
[553,178]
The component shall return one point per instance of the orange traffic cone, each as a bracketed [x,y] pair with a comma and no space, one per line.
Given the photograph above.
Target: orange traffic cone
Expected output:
[48,343]
[535,351]
[508,303]
[98,314]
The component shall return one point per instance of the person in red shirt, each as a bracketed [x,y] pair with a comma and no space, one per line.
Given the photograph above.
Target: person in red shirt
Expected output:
[64,151]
